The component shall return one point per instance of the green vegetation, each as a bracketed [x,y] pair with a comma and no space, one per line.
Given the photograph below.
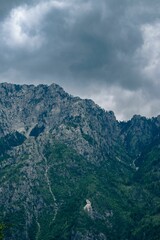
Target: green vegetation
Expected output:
[125,202]
[74,180]
[2,228]
[88,138]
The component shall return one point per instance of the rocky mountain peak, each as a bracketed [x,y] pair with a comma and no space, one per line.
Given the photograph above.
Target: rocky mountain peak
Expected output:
[57,150]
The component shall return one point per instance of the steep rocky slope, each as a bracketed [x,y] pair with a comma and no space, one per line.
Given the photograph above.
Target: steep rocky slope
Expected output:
[57,151]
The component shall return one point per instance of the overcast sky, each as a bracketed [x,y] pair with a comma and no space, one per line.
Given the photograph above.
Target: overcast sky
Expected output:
[106,50]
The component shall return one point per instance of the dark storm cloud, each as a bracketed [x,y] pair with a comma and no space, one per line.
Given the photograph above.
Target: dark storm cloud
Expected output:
[7,5]
[84,45]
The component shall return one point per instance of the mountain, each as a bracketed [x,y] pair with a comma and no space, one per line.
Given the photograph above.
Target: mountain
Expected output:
[71,171]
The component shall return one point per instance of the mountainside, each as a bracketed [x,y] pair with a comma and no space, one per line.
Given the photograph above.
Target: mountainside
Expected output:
[70,170]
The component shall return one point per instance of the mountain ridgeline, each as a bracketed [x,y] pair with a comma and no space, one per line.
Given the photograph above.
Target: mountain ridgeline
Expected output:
[70,171]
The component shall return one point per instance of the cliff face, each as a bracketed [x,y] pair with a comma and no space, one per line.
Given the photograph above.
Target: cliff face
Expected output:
[57,151]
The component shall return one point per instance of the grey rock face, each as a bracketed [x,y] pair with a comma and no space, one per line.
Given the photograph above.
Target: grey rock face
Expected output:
[31,110]
[41,115]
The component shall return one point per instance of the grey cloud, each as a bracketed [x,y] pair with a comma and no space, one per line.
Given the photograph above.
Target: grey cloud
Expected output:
[7,5]
[87,43]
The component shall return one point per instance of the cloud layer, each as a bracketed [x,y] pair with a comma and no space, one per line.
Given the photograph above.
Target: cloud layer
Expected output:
[105,50]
